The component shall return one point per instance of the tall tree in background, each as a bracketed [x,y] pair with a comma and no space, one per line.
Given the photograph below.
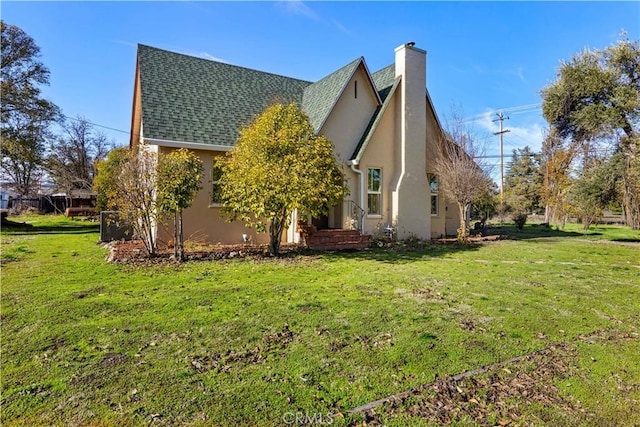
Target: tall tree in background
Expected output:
[596,98]
[179,175]
[73,157]
[460,171]
[555,163]
[279,164]
[593,191]
[523,181]
[25,115]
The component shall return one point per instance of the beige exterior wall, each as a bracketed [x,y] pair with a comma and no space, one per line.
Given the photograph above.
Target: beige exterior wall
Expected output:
[202,221]
[349,118]
[381,153]
[344,127]
[446,222]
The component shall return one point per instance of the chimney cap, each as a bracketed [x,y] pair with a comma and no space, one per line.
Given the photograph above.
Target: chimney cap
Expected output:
[411,44]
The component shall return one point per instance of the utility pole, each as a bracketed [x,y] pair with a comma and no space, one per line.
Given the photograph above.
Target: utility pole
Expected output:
[501,118]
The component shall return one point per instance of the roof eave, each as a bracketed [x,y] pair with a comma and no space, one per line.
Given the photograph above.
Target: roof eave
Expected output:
[435,113]
[186,144]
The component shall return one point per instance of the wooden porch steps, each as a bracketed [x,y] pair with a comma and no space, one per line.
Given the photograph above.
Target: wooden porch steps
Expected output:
[337,240]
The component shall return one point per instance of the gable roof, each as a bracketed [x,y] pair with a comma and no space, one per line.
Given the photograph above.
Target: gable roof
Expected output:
[190,99]
[319,98]
[186,99]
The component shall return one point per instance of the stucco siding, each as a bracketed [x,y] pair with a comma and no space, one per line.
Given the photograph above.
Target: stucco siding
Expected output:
[351,115]
[202,221]
[380,153]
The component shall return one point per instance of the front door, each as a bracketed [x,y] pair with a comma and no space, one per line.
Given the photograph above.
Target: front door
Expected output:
[321,223]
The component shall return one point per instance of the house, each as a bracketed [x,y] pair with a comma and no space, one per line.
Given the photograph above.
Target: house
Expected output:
[383,126]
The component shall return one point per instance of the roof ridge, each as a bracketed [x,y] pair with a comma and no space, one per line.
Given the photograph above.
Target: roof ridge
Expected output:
[350,64]
[222,63]
[319,98]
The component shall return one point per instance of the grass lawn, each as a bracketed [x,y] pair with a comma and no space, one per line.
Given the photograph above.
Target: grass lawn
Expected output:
[307,338]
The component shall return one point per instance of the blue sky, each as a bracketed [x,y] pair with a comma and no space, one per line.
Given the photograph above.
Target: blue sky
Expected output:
[482,56]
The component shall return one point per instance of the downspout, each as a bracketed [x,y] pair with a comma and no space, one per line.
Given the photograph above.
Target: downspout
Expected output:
[353,164]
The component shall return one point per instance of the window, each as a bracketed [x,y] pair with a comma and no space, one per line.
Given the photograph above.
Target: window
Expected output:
[374,191]
[433,188]
[216,174]
[355,89]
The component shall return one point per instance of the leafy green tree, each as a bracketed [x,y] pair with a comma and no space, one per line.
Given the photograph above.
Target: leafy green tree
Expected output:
[593,191]
[107,171]
[179,176]
[25,115]
[595,99]
[523,182]
[279,164]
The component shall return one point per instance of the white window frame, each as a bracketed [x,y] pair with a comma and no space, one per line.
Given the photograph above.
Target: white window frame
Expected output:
[214,182]
[374,192]
[435,194]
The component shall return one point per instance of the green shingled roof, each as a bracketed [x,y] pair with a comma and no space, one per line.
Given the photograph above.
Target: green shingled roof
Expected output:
[190,99]
[384,79]
[320,97]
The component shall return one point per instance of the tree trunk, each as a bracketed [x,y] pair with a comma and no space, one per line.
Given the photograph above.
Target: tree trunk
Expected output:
[547,213]
[631,198]
[180,236]
[463,231]
[176,236]
[275,234]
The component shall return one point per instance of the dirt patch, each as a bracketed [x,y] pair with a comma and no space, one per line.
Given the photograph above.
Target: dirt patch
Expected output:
[113,359]
[88,292]
[55,344]
[134,252]
[495,394]
[86,380]
[492,399]
[223,362]
[472,239]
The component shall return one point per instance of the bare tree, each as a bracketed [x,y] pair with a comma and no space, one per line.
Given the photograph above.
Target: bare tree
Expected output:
[461,173]
[72,159]
[135,195]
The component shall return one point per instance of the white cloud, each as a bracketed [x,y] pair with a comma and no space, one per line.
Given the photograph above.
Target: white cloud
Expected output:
[210,57]
[516,72]
[125,43]
[298,7]
[342,28]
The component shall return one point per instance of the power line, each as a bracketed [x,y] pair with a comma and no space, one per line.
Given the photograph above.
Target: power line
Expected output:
[519,109]
[97,125]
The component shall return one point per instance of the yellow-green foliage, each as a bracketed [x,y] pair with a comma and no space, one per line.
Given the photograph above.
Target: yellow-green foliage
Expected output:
[279,164]
[179,175]
[104,182]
